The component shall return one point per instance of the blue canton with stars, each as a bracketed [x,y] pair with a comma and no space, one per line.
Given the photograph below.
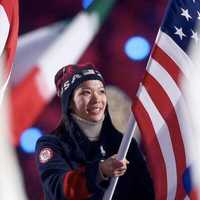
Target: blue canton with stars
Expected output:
[181,22]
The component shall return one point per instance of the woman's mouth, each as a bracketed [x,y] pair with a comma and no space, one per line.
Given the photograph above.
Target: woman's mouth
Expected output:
[95,110]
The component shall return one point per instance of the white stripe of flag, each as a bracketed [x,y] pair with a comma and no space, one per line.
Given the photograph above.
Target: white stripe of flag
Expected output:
[175,53]
[162,134]
[167,84]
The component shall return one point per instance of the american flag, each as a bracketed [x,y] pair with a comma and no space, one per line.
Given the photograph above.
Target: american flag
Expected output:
[160,108]
[9,23]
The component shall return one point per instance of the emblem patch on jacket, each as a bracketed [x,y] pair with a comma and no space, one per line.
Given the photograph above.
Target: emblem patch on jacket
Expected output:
[45,155]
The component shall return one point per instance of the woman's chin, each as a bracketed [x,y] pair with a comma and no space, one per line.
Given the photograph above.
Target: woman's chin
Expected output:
[95,118]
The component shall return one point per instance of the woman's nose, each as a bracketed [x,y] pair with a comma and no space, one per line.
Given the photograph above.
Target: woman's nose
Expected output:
[95,97]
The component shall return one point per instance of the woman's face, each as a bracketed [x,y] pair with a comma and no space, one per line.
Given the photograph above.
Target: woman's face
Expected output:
[89,100]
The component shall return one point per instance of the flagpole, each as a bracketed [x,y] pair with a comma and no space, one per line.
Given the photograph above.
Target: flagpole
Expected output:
[124,146]
[122,152]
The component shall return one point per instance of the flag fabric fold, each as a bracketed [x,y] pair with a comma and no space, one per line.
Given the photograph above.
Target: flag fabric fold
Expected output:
[9,25]
[11,182]
[160,107]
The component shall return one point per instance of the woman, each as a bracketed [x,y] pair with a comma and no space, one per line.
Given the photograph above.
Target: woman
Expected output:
[77,160]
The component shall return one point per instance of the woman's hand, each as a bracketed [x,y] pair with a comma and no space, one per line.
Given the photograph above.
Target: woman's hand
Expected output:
[113,167]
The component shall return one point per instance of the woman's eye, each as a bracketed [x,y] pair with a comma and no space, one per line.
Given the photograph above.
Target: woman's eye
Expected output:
[86,92]
[102,91]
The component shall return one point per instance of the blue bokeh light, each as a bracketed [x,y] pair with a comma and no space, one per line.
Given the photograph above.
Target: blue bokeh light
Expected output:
[137,48]
[87,3]
[29,138]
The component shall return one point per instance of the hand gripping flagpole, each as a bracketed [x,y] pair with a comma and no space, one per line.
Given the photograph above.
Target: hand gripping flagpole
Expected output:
[122,152]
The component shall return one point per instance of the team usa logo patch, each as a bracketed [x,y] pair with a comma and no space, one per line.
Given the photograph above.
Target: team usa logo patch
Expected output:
[45,155]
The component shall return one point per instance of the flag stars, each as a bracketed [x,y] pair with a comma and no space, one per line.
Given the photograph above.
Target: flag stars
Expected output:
[194,36]
[179,32]
[185,14]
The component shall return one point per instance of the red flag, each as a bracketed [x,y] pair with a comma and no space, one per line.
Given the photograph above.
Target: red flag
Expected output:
[160,109]
[9,24]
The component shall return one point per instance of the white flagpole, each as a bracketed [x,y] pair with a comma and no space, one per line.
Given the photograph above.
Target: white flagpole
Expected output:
[122,152]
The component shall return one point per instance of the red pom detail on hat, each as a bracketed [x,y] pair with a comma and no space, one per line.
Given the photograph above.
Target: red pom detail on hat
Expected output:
[70,70]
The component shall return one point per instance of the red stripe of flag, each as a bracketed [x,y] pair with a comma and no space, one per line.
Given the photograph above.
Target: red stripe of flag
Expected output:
[168,64]
[194,194]
[8,7]
[166,109]
[152,149]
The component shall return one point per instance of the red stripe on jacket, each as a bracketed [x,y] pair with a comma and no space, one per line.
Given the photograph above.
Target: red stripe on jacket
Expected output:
[75,187]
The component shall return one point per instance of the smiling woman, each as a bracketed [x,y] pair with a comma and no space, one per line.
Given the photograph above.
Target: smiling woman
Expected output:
[78,159]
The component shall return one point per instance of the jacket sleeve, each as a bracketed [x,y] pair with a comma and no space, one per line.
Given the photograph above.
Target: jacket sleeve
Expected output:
[58,179]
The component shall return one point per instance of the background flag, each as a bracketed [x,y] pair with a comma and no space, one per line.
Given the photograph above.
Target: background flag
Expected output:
[160,108]
[9,23]
[11,182]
